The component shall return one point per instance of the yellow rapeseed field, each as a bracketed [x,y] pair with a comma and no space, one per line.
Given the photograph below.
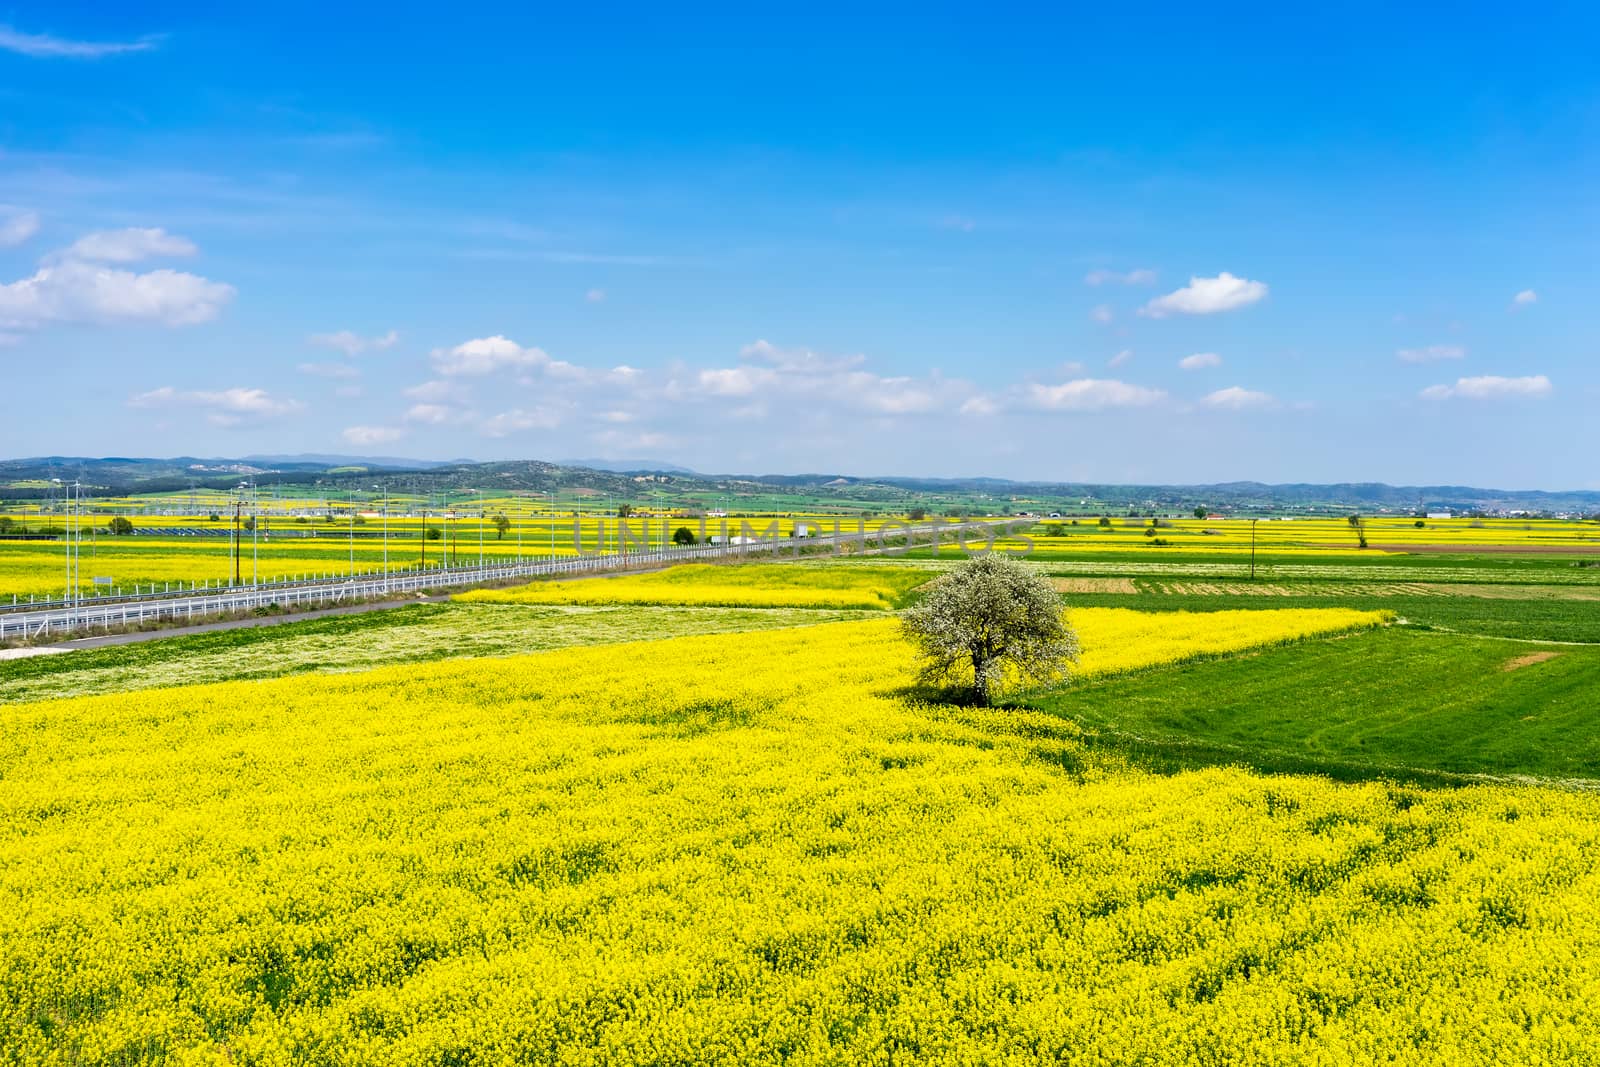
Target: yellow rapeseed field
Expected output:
[755,848]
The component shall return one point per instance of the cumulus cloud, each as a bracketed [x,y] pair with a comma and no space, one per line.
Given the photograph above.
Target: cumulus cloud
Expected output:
[129,246]
[16,227]
[1235,398]
[1090,394]
[1120,358]
[1102,314]
[1524,298]
[1431,354]
[223,407]
[1490,387]
[1111,277]
[73,291]
[353,344]
[820,390]
[364,436]
[80,284]
[48,46]
[485,355]
[1200,361]
[1206,296]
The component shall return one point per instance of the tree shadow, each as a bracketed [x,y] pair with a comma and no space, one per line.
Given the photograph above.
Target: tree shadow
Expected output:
[1172,756]
[1063,744]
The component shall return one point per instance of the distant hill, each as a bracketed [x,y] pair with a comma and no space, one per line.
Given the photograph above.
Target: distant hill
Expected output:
[627,466]
[638,480]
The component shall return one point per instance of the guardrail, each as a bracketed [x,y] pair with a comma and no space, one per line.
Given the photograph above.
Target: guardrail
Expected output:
[199,604]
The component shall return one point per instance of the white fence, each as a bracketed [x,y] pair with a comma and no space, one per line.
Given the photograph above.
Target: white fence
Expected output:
[196,605]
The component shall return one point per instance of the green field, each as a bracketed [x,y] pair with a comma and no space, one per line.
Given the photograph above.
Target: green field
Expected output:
[1388,704]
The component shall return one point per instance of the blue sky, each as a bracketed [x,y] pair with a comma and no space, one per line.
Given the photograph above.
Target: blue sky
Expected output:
[1360,244]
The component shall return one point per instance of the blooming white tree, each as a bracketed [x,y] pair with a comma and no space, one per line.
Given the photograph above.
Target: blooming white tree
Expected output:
[991,615]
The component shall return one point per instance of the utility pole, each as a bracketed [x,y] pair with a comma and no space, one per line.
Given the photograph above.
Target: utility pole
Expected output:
[255,534]
[385,538]
[238,509]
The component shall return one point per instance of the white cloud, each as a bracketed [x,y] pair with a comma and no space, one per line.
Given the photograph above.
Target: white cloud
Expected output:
[1111,277]
[129,246]
[436,414]
[1206,296]
[46,46]
[16,227]
[517,420]
[1489,387]
[1235,398]
[595,296]
[485,355]
[1524,298]
[329,370]
[73,291]
[438,391]
[1200,361]
[800,360]
[353,344]
[979,405]
[1120,358]
[1091,394]
[224,407]
[1431,354]
[1102,314]
[364,436]
[735,381]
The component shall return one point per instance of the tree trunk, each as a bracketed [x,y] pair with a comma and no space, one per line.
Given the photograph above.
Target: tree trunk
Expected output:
[980,680]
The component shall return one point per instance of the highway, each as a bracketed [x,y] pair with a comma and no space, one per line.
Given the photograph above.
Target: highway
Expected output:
[187,607]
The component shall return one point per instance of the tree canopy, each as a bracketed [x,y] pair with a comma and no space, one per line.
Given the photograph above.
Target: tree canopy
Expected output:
[990,617]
